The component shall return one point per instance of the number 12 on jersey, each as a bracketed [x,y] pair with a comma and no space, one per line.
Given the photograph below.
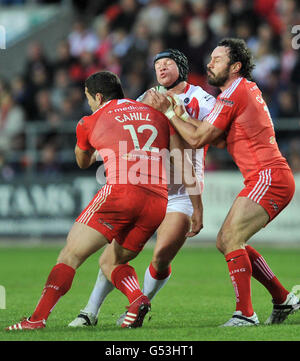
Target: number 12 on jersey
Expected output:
[148,145]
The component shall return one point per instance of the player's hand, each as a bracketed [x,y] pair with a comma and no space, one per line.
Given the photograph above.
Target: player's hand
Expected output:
[178,105]
[157,100]
[196,222]
[179,110]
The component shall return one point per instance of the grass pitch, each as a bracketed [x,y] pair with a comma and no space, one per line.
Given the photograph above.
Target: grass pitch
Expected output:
[198,298]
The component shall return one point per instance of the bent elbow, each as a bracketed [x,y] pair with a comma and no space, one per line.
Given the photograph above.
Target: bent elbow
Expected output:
[195,143]
[82,165]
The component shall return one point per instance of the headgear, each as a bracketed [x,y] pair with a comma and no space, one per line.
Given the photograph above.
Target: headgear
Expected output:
[181,61]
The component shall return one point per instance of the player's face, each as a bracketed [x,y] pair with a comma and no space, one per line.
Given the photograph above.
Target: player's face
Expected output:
[218,69]
[93,102]
[166,71]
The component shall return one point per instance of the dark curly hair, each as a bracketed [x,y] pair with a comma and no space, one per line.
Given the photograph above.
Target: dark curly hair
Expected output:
[239,52]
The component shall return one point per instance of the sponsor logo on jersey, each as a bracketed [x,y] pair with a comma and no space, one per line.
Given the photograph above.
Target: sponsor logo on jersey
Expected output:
[207,97]
[226,102]
[129,108]
[133,156]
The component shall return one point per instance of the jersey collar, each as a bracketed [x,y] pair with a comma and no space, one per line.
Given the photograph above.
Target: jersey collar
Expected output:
[102,106]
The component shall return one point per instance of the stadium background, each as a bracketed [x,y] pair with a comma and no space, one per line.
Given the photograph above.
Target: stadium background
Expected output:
[52,46]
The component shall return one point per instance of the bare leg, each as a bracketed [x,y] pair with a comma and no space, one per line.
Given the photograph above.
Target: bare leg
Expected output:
[170,238]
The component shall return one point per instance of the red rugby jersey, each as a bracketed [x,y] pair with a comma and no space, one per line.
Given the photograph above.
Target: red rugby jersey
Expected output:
[131,138]
[241,111]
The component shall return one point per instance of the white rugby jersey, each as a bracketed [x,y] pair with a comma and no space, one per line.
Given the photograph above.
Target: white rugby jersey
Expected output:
[198,104]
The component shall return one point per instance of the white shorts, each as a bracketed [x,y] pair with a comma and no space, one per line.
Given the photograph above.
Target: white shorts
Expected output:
[180,203]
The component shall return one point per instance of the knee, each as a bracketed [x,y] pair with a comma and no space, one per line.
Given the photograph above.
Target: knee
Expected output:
[104,264]
[224,241]
[69,257]
[220,243]
[107,265]
[228,240]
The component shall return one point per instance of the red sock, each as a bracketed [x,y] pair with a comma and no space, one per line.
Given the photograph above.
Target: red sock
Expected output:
[240,271]
[58,283]
[263,274]
[159,275]
[124,278]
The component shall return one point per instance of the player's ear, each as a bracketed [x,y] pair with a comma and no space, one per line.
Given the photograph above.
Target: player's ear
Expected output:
[99,98]
[236,67]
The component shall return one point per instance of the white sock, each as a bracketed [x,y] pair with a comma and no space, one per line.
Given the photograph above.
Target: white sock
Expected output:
[101,289]
[152,285]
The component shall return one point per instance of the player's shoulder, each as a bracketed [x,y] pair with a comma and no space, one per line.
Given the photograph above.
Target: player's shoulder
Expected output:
[115,106]
[88,121]
[196,91]
[132,106]
[84,122]
[237,89]
[126,104]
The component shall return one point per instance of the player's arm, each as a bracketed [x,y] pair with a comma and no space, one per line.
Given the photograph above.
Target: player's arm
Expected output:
[85,158]
[180,111]
[219,142]
[85,154]
[196,135]
[183,164]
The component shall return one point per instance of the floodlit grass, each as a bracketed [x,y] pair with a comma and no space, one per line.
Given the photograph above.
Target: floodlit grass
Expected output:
[198,298]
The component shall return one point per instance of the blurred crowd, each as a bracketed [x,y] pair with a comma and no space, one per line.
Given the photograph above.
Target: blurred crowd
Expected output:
[123,36]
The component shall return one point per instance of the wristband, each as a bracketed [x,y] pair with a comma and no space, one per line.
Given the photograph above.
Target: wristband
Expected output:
[185,116]
[170,113]
[179,102]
